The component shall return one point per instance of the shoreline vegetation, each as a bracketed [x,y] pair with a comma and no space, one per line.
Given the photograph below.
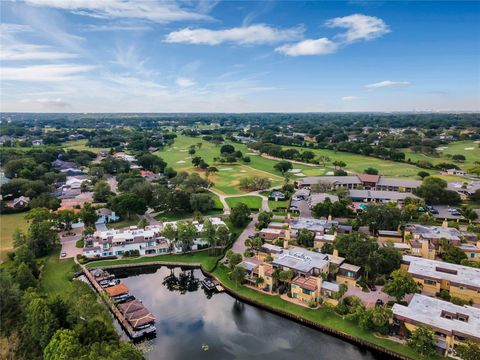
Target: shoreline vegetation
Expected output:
[323,319]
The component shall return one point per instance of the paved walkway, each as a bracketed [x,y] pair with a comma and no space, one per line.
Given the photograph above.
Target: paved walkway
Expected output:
[69,243]
[239,244]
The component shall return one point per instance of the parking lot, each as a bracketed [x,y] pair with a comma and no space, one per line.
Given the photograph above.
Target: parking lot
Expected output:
[443,213]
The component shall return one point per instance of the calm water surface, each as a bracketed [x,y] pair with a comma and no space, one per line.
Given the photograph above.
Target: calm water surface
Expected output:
[188,319]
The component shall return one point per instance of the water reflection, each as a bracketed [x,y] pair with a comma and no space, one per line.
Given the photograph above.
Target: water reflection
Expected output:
[194,324]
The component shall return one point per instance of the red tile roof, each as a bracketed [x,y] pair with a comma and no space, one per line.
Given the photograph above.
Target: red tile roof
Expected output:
[309,282]
[117,290]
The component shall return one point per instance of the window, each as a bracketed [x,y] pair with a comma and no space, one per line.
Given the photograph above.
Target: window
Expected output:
[472,255]
[430,282]
[308,292]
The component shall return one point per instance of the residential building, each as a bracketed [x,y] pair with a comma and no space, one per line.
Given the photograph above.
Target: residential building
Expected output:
[348,274]
[106,216]
[453,324]
[116,242]
[389,235]
[433,234]
[269,234]
[302,261]
[20,202]
[306,288]
[460,281]
[361,181]
[380,196]
[276,195]
[321,239]
[472,251]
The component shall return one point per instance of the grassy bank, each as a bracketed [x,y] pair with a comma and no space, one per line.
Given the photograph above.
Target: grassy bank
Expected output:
[195,258]
[322,316]
[56,274]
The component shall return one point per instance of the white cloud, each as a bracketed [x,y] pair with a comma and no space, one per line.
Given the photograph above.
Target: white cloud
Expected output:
[360,27]
[156,11]
[322,46]
[21,51]
[249,35]
[184,82]
[46,73]
[57,103]
[348,98]
[387,84]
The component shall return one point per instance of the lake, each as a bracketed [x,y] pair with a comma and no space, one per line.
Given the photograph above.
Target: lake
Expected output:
[194,325]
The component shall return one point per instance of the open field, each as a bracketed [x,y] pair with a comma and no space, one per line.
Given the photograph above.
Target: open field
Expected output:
[80,145]
[273,205]
[454,148]
[228,177]
[8,224]
[124,223]
[252,201]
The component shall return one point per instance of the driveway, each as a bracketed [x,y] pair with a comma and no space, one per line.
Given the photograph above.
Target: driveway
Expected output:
[369,298]
[239,244]
[443,213]
[304,209]
[101,227]
[68,243]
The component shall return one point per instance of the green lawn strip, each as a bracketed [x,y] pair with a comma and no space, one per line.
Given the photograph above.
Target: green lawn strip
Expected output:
[56,274]
[252,201]
[81,145]
[322,316]
[195,258]
[184,216]
[8,224]
[274,205]
[124,223]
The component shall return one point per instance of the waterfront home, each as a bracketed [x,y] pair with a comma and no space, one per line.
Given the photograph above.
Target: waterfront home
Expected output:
[269,250]
[453,324]
[317,226]
[460,281]
[116,242]
[306,289]
[421,248]
[389,235]
[302,261]
[348,274]
[106,216]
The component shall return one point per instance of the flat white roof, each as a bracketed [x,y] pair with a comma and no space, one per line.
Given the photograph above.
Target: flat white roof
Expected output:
[429,311]
[457,274]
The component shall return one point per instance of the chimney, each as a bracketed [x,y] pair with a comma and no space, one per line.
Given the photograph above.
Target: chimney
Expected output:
[329,217]
[319,285]
[285,243]
[445,223]
[335,252]
[425,249]
[287,234]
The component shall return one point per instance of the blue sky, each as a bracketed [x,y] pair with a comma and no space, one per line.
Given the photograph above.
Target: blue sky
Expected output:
[210,56]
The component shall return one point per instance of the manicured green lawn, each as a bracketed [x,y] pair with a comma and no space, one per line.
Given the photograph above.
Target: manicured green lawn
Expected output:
[228,177]
[253,202]
[56,275]
[196,258]
[358,163]
[8,224]
[273,205]
[454,148]
[124,223]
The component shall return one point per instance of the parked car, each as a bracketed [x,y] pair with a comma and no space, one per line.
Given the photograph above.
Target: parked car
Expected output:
[379,303]
[63,254]
[372,287]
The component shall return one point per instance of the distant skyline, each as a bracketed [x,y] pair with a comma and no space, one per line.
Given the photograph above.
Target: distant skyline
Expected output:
[233,56]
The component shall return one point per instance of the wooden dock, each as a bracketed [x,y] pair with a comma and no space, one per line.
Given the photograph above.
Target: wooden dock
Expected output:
[134,334]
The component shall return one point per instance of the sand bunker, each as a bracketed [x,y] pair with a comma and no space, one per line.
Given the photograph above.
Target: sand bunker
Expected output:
[469,148]
[299,174]
[181,162]
[329,173]
[225,169]
[441,148]
[253,154]
[183,150]
[243,170]
[295,171]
